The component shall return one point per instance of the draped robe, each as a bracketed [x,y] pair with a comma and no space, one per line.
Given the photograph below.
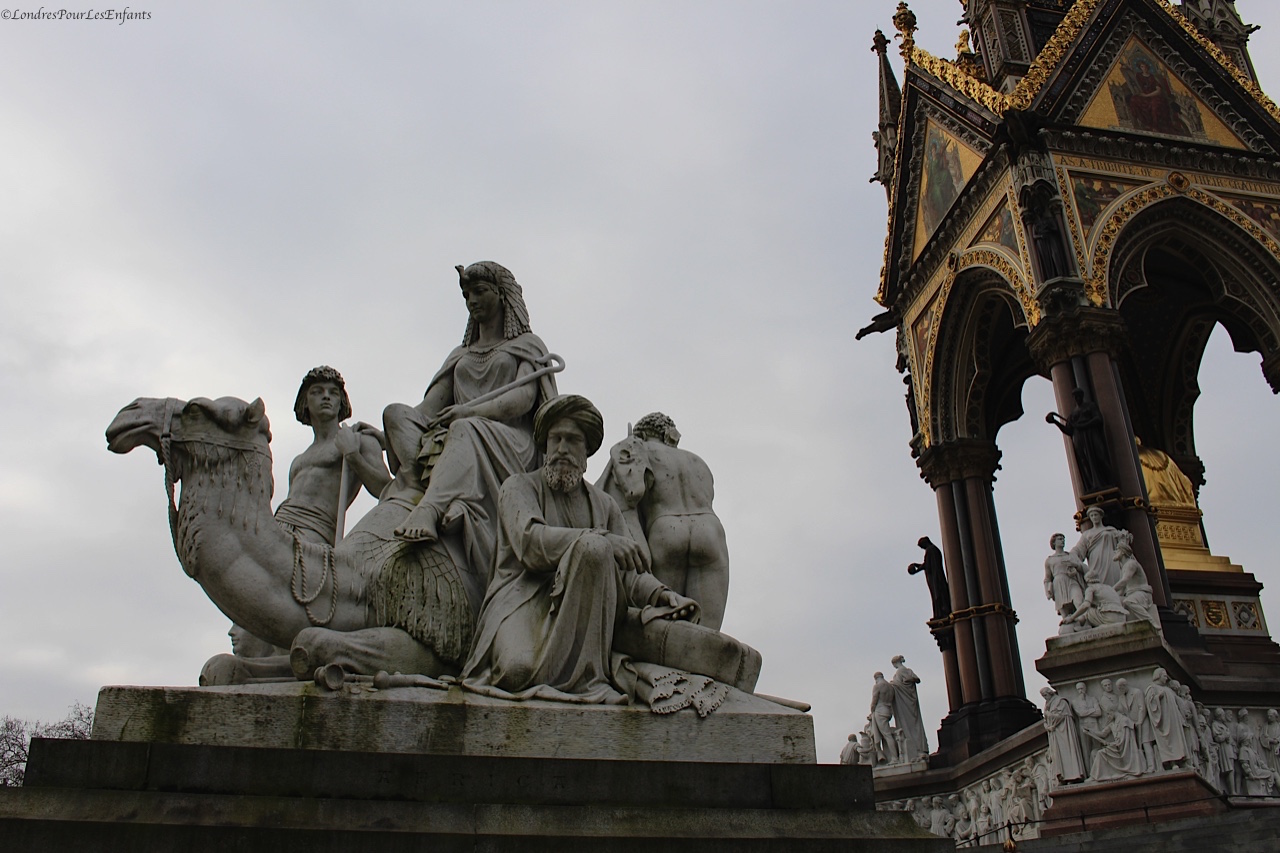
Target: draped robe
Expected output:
[1165,717]
[547,625]
[469,463]
[906,711]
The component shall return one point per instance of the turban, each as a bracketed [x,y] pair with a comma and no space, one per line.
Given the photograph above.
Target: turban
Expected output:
[572,407]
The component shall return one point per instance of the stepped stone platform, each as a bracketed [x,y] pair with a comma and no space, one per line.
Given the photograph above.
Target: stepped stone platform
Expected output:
[109,796]
[745,728]
[454,781]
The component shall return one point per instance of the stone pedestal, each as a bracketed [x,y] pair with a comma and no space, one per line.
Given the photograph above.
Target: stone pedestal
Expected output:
[1108,651]
[1149,799]
[745,728]
[1225,608]
[888,771]
[463,777]
[978,726]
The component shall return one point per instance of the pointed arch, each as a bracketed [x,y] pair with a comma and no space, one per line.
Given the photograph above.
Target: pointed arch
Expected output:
[980,358]
[1179,267]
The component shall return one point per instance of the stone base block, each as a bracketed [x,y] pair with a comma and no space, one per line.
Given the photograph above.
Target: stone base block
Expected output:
[299,715]
[972,729]
[1106,805]
[886,771]
[99,795]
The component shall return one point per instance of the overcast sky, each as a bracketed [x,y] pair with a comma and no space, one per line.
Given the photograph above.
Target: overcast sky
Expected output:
[217,199]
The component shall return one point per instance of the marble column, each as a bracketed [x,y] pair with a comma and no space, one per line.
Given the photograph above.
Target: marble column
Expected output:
[988,670]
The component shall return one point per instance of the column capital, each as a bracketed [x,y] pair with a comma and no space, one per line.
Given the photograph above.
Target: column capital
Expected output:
[1078,331]
[959,459]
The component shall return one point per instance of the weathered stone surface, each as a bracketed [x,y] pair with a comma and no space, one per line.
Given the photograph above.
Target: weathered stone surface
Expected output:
[444,778]
[745,728]
[98,795]
[1128,801]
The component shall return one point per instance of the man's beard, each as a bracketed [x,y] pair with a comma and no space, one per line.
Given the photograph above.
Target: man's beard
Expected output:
[562,474]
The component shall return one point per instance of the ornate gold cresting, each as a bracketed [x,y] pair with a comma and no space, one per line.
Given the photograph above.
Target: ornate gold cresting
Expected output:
[966,60]
[1175,184]
[1010,273]
[904,21]
[1048,59]
[1225,61]
[955,77]
[1052,54]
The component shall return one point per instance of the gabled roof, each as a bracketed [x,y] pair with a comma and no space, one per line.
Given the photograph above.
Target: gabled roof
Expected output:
[1069,84]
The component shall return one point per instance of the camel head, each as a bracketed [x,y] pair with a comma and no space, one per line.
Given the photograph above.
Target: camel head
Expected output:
[226,421]
[629,460]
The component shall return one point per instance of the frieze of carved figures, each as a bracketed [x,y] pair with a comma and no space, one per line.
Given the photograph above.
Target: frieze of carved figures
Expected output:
[1237,750]
[1007,804]
[1142,724]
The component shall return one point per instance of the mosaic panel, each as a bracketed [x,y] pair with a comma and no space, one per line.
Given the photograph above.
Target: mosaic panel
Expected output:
[1093,193]
[999,230]
[1142,94]
[948,165]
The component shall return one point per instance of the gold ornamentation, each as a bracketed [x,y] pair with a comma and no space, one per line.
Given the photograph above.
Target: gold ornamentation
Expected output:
[982,257]
[1050,55]
[993,609]
[924,372]
[1179,181]
[1235,215]
[1174,533]
[1073,219]
[1029,87]
[1017,279]
[904,20]
[960,80]
[1225,61]
[1215,615]
[882,293]
[1096,285]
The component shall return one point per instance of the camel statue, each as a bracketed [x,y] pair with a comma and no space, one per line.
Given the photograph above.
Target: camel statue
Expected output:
[371,603]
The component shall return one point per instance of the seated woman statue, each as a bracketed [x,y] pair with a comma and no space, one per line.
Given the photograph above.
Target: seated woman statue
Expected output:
[452,452]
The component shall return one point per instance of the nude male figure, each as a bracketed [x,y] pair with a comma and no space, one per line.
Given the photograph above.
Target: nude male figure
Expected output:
[310,511]
[882,696]
[665,494]
[315,476]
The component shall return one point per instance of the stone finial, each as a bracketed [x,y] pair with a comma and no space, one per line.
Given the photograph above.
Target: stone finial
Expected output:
[879,43]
